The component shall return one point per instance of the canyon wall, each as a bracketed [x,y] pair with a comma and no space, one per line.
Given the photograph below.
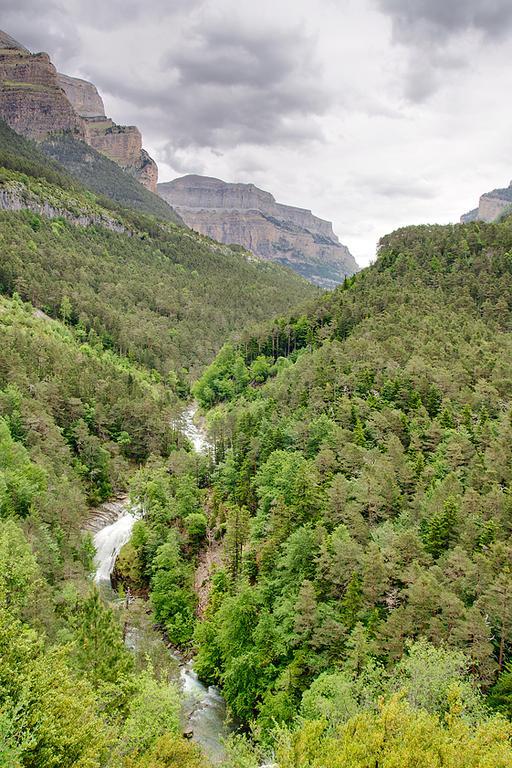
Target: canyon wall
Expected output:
[491,205]
[251,217]
[36,100]
[31,99]
[83,96]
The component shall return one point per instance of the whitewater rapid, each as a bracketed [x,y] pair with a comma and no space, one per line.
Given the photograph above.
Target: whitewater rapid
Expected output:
[204,709]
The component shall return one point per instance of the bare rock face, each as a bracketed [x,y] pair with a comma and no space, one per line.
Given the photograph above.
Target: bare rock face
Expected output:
[123,145]
[83,96]
[31,99]
[245,214]
[491,206]
[35,101]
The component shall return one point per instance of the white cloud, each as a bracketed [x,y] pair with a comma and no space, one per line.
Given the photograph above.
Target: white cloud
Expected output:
[373,113]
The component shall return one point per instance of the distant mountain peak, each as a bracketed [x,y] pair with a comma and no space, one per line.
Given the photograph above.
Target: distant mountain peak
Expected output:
[245,214]
[491,205]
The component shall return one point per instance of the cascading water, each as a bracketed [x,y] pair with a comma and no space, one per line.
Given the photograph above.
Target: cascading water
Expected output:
[195,434]
[204,709]
[205,713]
[109,541]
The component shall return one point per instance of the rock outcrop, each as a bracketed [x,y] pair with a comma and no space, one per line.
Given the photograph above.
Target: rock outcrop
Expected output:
[245,214]
[123,145]
[83,96]
[17,197]
[36,101]
[31,99]
[491,206]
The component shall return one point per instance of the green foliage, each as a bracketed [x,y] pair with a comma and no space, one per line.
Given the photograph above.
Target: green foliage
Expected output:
[18,568]
[154,711]
[171,594]
[104,177]
[77,400]
[374,467]
[500,697]
[54,717]
[138,292]
[21,482]
[195,526]
[400,737]
[169,751]
[99,651]
[428,675]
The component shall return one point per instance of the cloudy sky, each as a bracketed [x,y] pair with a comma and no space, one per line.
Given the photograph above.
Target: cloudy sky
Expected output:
[373,113]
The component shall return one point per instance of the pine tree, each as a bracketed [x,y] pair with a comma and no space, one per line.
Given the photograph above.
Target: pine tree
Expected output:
[100,651]
[237,532]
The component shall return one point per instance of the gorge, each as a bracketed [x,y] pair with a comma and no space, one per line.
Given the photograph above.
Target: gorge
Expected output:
[203,709]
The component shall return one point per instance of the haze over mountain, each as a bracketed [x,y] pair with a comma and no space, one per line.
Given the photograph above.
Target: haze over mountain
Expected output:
[491,205]
[244,214]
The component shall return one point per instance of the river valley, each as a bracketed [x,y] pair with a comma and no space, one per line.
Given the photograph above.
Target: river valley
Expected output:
[204,710]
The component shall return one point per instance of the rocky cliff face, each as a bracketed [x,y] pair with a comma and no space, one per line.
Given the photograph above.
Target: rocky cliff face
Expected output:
[245,214]
[35,101]
[491,206]
[83,96]
[123,145]
[31,99]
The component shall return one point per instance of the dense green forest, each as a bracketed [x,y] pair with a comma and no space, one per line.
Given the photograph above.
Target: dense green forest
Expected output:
[73,419]
[353,517]
[157,293]
[105,177]
[362,492]
[69,163]
[99,329]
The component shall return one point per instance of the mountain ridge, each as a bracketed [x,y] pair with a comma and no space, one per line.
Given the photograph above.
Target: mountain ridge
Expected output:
[490,206]
[245,214]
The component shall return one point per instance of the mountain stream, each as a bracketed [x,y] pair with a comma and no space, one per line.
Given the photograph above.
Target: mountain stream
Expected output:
[204,710]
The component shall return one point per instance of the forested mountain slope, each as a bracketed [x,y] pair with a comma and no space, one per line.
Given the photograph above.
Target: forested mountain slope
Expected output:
[104,311]
[153,291]
[105,177]
[363,485]
[70,163]
[74,419]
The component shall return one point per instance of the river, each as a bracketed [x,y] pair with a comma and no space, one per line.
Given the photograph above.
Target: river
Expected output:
[204,710]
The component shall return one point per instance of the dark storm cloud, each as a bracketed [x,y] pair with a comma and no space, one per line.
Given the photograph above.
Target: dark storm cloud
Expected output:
[431,27]
[230,55]
[229,84]
[438,19]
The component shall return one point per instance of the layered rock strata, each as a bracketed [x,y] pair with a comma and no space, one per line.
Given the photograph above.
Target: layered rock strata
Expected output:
[251,217]
[36,100]
[31,99]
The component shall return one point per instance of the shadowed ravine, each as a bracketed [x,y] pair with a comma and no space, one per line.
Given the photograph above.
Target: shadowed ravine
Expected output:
[204,710]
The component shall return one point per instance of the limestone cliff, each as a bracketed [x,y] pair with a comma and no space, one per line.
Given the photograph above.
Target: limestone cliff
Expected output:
[245,214]
[36,101]
[31,99]
[491,206]
[123,145]
[83,96]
